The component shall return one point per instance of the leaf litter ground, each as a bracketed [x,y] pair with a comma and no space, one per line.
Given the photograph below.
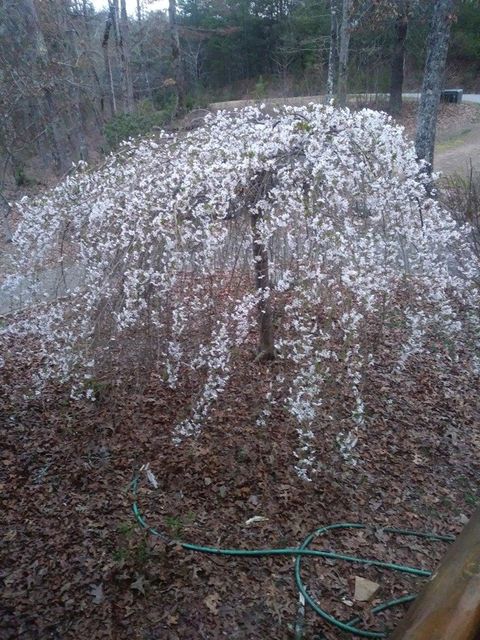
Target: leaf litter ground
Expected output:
[75,565]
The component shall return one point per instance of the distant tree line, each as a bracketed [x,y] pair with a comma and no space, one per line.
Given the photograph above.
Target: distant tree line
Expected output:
[75,82]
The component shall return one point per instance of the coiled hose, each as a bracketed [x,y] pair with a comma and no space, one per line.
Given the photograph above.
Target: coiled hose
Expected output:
[304,550]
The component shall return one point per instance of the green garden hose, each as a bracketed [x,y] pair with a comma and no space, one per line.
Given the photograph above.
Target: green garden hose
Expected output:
[304,550]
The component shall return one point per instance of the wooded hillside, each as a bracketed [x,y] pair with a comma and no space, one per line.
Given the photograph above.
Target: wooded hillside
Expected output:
[75,82]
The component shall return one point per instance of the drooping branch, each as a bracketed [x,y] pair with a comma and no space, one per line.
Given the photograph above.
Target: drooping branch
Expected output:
[165,233]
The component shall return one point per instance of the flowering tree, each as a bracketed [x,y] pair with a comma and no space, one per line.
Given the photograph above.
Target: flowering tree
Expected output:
[344,235]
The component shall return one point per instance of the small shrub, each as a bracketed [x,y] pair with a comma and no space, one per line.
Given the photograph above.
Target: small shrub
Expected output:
[21,178]
[260,89]
[133,125]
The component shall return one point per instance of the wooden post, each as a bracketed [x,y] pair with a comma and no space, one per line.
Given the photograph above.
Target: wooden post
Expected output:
[448,608]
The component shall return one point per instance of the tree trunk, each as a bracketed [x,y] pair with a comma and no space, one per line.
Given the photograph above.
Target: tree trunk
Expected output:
[48,107]
[345,31]
[124,46]
[108,67]
[75,82]
[176,58]
[143,65]
[266,349]
[98,97]
[55,125]
[32,24]
[398,58]
[85,8]
[333,50]
[437,48]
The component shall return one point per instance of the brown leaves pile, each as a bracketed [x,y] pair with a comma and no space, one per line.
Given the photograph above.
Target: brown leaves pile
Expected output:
[74,565]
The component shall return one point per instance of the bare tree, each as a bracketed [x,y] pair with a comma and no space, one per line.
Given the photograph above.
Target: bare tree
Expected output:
[398,55]
[344,50]
[108,64]
[437,49]
[47,87]
[141,50]
[192,51]
[124,47]
[48,107]
[176,57]
[72,58]
[333,50]
[117,22]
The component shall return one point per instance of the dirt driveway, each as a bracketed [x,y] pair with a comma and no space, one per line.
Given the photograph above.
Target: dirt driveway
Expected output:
[460,152]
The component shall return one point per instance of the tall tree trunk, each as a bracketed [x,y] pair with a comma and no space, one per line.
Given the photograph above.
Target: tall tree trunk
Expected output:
[108,66]
[78,124]
[124,46]
[398,58]
[437,49]
[75,82]
[86,22]
[143,65]
[48,107]
[333,50]
[345,32]
[32,24]
[98,97]
[176,58]
[55,125]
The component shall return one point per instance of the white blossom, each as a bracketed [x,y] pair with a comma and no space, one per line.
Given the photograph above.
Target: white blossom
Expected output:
[159,241]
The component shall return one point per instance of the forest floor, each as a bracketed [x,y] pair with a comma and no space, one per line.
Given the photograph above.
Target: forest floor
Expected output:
[74,565]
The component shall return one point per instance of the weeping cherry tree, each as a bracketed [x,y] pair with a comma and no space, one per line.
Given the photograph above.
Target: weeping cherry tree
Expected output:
[296,231]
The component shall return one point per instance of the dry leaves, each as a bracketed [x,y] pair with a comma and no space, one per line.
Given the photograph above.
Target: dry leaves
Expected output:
[213,603]
[75,566]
